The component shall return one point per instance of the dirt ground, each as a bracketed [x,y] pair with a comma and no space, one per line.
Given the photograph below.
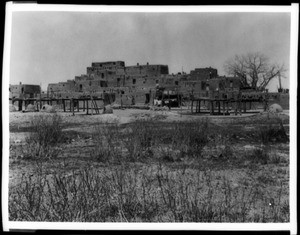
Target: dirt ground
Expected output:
[76,153]
[80,121]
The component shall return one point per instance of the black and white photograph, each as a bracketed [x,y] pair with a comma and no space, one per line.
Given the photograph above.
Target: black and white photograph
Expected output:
[125,116]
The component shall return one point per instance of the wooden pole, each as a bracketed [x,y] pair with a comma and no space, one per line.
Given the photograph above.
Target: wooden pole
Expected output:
[192,106]
[64,105]
[78,105]
[73,106]
[199,105]
[265,105]
[87,106]
[236,107]
[227,103]
[223,107]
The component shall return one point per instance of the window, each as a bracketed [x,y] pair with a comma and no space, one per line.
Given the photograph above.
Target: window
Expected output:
[102,75]
[221,86]
[103,83]
[203,85]
[80,87]
[133,81]
[207,87]
[176,83]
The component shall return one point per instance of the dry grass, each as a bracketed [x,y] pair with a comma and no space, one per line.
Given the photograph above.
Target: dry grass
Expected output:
[151,172]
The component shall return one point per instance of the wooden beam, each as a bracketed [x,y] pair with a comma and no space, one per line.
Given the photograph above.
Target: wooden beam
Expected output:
[87,106]
[212,107]
[64,105]
[199,105]
[227,106]
[236,107]
[72,100]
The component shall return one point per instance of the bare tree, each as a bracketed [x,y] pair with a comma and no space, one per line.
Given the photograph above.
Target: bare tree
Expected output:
[254,70]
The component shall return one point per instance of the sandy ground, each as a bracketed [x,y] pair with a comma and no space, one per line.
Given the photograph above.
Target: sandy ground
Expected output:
[129,115]
[82,122]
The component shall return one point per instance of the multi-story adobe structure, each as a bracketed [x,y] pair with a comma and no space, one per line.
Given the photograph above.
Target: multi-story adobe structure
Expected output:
[142,84]
[139,84]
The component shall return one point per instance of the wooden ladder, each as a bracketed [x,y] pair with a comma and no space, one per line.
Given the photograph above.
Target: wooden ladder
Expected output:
[94,106]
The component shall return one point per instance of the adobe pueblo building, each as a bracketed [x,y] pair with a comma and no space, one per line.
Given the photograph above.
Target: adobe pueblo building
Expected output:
[146,85]
[19,93]
[141,84]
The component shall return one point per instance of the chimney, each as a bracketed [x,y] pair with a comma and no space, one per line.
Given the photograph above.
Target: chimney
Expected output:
[147,63]
[137,64]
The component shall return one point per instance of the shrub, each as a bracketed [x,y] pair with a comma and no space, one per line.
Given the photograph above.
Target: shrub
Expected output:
[128,193]
[107,145]
[259,155]
[44,137]
[273,133]
[46,130]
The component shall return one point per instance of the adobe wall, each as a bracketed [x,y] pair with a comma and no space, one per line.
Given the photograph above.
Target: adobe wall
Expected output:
[24,91]
[203,73]
[150,70]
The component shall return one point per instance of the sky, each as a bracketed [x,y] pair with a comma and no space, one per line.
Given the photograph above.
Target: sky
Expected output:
[51,47]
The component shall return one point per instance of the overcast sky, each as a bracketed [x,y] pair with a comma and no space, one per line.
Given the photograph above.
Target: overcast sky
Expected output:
[50,47]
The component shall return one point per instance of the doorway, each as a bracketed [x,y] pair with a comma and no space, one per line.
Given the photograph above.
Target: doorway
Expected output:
[147,98]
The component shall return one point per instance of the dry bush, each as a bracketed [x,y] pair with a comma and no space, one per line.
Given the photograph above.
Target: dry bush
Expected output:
[169,140]
[44,138]
[127,192]
[107,145]
[46,130]
[273,133]
[130,193]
